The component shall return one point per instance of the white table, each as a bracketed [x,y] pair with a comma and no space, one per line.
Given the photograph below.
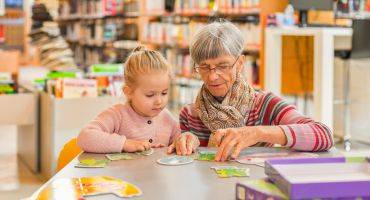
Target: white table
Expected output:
[192,181]
[323,72]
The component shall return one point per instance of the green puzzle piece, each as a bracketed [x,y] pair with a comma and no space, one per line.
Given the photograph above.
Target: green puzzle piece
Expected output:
[93,163]
[238,172]
[206,155]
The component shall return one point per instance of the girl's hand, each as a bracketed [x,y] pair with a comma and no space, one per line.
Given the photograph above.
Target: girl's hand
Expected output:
[158,145]
[135,145]
[185,144]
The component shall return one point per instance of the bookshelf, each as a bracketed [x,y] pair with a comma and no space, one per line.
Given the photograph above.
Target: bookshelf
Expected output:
[99,33]
[97,30]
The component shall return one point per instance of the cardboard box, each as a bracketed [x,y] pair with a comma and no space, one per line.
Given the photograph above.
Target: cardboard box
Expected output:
[312,178]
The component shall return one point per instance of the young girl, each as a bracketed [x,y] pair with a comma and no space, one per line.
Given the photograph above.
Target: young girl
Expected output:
[143,121]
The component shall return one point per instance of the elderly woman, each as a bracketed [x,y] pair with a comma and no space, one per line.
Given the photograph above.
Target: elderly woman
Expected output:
[229,113]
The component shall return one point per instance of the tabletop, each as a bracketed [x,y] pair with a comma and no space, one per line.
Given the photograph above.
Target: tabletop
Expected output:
[191,181]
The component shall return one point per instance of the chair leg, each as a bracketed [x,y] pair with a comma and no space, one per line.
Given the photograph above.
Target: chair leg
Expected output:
[346,106]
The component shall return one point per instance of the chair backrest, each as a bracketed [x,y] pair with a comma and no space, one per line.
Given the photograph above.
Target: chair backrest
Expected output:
[68,153]
[361,38]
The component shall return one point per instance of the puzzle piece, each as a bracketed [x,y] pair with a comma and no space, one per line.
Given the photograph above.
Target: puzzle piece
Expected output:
[230,171]
[175,160]
[260,158]
[92,163]
[77,188]
[118,156]
[206,155]
[146,152]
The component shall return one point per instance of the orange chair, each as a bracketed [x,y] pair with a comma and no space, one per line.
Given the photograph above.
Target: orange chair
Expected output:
[68,153]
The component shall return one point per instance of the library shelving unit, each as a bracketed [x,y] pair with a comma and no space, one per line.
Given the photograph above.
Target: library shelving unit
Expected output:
[106,31]
[100,30]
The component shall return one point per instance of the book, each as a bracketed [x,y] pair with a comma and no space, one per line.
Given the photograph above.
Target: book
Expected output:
[179,35]
[76,88]
[208,7]
[7,84]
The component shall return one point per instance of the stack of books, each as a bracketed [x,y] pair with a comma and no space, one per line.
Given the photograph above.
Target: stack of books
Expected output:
[45,34]
[90,9]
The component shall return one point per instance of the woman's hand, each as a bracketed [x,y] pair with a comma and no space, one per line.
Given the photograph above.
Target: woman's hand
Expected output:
[185,144]
[235,140]
[135,145]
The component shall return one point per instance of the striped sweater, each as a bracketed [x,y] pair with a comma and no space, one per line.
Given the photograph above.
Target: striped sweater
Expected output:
[302,133]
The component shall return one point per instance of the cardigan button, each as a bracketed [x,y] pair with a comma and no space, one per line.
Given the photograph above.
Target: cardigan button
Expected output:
[149,121]
[150,140]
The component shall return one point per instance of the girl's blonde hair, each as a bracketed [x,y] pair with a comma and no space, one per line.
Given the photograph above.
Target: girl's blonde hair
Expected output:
[143,61]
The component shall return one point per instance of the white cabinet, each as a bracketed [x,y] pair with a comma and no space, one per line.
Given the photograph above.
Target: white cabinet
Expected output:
[61,120]
[22,110]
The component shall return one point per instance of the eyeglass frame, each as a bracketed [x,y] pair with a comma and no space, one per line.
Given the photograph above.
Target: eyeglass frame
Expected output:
[217,69]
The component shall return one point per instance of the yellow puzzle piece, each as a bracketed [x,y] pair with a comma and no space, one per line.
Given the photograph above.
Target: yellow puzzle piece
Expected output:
[77,188]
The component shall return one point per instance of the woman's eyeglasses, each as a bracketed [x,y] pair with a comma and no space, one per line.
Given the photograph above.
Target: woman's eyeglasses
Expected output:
[220,70]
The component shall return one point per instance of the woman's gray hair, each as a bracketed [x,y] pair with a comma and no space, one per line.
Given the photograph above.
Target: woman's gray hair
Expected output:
[216,39]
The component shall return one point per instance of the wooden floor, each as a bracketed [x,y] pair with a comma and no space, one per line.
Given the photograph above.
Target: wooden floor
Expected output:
[16,180]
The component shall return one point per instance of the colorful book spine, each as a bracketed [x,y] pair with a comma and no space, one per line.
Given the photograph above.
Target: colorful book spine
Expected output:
[181,34]
[76,88]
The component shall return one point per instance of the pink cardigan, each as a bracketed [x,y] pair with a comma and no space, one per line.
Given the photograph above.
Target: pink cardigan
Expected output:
[108,131]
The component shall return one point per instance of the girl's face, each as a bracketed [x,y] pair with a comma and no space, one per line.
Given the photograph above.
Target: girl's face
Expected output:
[150,94]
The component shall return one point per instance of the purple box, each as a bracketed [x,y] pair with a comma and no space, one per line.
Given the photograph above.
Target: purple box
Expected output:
[259,189]
[307,178]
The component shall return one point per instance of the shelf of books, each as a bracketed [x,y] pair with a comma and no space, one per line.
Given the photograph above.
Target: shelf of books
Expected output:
[105,31]
[62,93]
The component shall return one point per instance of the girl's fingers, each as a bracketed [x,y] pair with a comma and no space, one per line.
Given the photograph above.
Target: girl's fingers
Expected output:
[140,148]
[146,145]
[158,145]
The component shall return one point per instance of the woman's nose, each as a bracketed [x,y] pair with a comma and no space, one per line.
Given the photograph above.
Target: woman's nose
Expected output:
[212,76]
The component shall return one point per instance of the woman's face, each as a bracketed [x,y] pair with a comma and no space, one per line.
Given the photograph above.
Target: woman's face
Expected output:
[219,74]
